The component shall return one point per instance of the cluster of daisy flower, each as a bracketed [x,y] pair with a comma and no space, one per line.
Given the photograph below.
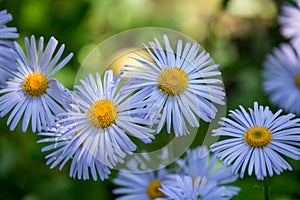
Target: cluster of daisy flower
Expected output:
[94,126]
[199,175]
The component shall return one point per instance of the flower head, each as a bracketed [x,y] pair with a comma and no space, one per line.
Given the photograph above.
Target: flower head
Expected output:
[199,188]
[31,94]
[183,85]
[288,19]
[282,78]
[142,186]
[257,139]
[199,163]
[95,133]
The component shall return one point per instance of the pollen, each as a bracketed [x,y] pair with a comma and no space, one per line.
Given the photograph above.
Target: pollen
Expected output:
[102,113]
[35,84]
[173,81]
[297,80]
[153,191]
[258,136]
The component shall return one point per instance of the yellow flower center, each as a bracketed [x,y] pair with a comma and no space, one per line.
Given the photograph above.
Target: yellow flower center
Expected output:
[153,191]
[297,80]
[102,113]
[173,81]
[258,136]
[35,84]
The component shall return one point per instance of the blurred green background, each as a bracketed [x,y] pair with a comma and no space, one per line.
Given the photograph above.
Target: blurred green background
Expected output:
[237,33]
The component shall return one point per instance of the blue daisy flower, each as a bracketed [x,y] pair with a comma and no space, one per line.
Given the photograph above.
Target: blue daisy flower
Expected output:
[142,186]
[288,19]
[96,131]
[284,63]
[257,140]
[188,188]
[199,163]
[32,94]
[183,85]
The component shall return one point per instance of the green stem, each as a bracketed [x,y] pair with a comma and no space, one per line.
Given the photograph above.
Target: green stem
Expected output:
[266,189]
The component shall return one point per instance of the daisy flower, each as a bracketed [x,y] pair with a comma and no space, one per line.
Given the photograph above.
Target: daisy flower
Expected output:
[288,19]
[183,85]
[95,133]
[32,94]
[199,163]
[188,188]
[284,63]
[257,140]
[141,186]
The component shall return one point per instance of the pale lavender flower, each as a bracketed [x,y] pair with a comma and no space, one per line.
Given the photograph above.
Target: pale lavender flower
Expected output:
[257,140]
[31,94]
[184,85]
[281,75]
[94,135]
